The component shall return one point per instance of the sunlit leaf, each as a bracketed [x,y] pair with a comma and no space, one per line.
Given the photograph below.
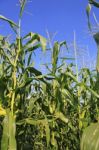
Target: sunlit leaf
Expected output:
[12,24]
[90,138]
[22,4]
[61,116]
[88,9]
[44,122]
[33,39]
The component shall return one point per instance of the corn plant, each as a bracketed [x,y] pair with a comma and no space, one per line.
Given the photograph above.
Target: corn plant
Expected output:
[37,111]
[16,73]
[90,138]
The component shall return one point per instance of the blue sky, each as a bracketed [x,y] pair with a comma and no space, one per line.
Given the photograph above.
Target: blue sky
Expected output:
[61,16]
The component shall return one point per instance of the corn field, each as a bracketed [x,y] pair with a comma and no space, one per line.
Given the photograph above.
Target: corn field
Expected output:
[49,111]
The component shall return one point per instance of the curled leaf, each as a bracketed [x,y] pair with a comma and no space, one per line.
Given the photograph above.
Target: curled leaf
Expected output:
[11,23]
[88,10]
[61,116]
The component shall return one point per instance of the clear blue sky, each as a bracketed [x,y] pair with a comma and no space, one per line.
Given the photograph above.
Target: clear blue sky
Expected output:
[61,16]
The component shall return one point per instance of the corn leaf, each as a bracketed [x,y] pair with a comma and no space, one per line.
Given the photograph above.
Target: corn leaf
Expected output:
[47,131]
[44,122]
[22,3]
[34,38]
[90,138]
[2,111]
[53,140]
[61,116]
[1,37]
[96,37]
[88,9]
[29,59]
[93,2]
[5,136]
[12,24]
[93,92]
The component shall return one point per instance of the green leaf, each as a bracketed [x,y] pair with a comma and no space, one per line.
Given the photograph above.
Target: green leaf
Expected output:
[34,71]
[5,136]
[34,38]
[66,93]
[43,42]
[93,92]
[61,116]
[27,82]
[1,37]
[67,58]
[37,73]
[56,49]
[12,24]
[23,3]
[63,44]
[29,59]
[72,76]
[47,130]
[32,48]
[90,138]
[96,37]
[54,141]
[44,122]
[88,9]
[93,2]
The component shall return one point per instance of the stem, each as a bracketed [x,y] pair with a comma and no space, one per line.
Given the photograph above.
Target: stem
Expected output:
[14,86]
[97,65]
[15,68]
[75,51]
[97,68]
[78,88]
[96,38]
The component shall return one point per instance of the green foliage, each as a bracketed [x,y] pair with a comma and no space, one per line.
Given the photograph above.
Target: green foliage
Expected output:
[13,25]
[93,2]
[9,131]
[90,138]
[22,4]
[37,111]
